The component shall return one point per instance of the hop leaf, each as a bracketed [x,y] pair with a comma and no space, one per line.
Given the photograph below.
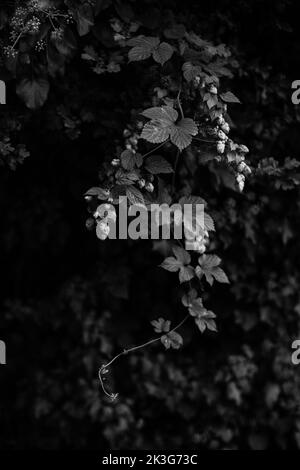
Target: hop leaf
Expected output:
[196,308]
[209,265]
[186,274]
[171,264]
[163,125]
[127,177]
[187,299]
[191,71]
[156,134]
[85,19]
[157,164]
[128,160]
[208,223]
[180,263]
[163,53]
[172,340]
[208,262]
[169,340]
[229,97]
[33,92]
[161,325]
[220,276]
[206,321]
[134,195]
[143,47]
[165,114]
[100,193]
[182,255]
[181,134]
[177,31]
[203,318]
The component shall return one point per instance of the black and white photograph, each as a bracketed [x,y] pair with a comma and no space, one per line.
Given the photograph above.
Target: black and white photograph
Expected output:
[149,229]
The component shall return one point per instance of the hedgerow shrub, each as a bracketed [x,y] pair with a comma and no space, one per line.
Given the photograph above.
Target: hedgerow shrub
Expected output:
[144,99]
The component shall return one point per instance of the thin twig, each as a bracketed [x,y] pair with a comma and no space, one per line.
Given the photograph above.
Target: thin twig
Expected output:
[154,150]
[19,36]
[104,368]
[205,140]
[127,351]
[53,14]
[179,102]
[175,169]
[51,21]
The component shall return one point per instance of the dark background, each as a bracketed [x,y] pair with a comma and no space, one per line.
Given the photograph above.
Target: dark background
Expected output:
[70,302]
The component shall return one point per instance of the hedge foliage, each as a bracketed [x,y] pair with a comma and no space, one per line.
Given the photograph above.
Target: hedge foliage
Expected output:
[86,80]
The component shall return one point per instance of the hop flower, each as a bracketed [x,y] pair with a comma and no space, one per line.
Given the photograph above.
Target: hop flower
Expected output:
[112,67]
[115,162]
[102,230]
[241,185]
[199,243]
[213,131]
[149,187]
[206,242]
[116,25]
[244,168]
[241,167]
[213,90]
[199,247]
[240,181]
[126,133]
[247,170]
[141,183]
[220,121]
[197,80]
[221,146]
[110,212]
[119,37]
[222,135]
[133,140]
[243,149]
[225,127]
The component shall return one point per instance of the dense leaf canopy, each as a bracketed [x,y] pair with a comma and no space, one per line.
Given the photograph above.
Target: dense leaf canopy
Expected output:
[159,102]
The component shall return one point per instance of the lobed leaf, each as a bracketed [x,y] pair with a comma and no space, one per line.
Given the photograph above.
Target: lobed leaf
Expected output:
[229,97]
[157,164]
[163,53]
